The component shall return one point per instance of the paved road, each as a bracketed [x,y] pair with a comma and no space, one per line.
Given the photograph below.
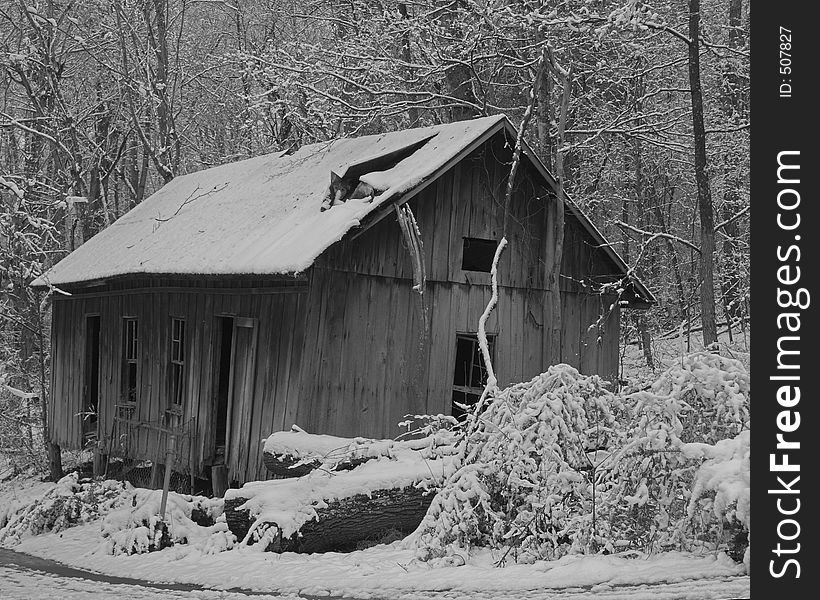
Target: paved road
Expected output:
[25,577]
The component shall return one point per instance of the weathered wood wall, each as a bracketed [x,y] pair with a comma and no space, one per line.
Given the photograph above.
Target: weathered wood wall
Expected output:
[278,313]
[373,362]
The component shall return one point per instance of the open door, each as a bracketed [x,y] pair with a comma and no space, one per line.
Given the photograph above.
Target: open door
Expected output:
[236,406]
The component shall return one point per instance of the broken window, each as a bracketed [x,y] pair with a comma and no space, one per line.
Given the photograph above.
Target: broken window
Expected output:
[177,362]
[478,254]
[130,359]
[470,375]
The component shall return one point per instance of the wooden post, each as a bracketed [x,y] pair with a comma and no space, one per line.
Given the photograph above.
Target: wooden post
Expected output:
[157,455]
[219,480]
[169,465]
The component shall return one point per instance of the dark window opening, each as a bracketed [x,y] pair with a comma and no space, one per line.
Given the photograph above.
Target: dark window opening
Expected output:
[130,359]
[223,367]
[177,362]
[478,255]
[470,374]
[91,391]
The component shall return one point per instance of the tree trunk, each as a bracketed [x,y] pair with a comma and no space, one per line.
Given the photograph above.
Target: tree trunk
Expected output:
[53,453]
[285,465]
[705,210]
[169,144]
[458,75]
[407,57]
[342,524]
[642,214]
[554,273]
[296,461]
[673,254]
[734,108]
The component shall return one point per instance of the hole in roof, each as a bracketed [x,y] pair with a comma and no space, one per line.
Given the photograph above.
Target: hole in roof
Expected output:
[361,179]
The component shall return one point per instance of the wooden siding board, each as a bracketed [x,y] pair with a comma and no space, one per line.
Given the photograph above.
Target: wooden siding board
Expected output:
[459,218]
[271,350]
[330,375]
[570,329]
[404,355]
[311,358]
[265,367]
[517,301]
[382,347]
[439,226]
[590,348]
[297,352]
[353,408]
[608,358]
[441,338]
[282,335]
[376,321]
[533,331]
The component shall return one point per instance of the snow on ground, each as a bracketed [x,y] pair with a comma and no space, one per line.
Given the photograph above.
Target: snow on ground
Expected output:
[18,492]
[669,350]
[24,584]
[391,572]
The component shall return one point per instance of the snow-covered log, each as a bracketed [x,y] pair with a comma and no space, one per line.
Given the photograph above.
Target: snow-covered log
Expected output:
[295,453]
[341,524]
[335,510]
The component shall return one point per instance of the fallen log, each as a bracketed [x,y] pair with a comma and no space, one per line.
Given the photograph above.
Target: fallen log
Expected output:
[340,526]
[288,465]
[337,510]
[238,520]
[296,453]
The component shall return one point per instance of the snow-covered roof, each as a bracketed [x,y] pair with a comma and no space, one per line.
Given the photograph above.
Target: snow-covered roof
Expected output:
[261,216]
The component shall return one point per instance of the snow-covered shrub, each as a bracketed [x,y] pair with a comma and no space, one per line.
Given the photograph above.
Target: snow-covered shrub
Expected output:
[70,502]
[725,473]
[709,394]
[561,465]
[649,483]
[136,527]
[525,482]
[216,538]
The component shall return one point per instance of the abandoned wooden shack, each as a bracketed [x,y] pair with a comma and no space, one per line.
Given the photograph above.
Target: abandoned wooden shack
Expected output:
[243,298]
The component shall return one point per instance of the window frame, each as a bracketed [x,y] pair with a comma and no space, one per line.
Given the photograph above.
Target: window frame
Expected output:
[470,390]
[176,359]
[130,360]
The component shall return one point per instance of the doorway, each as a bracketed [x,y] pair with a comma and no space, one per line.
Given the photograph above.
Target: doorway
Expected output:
[223,378]
[91,378]
[235,368]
